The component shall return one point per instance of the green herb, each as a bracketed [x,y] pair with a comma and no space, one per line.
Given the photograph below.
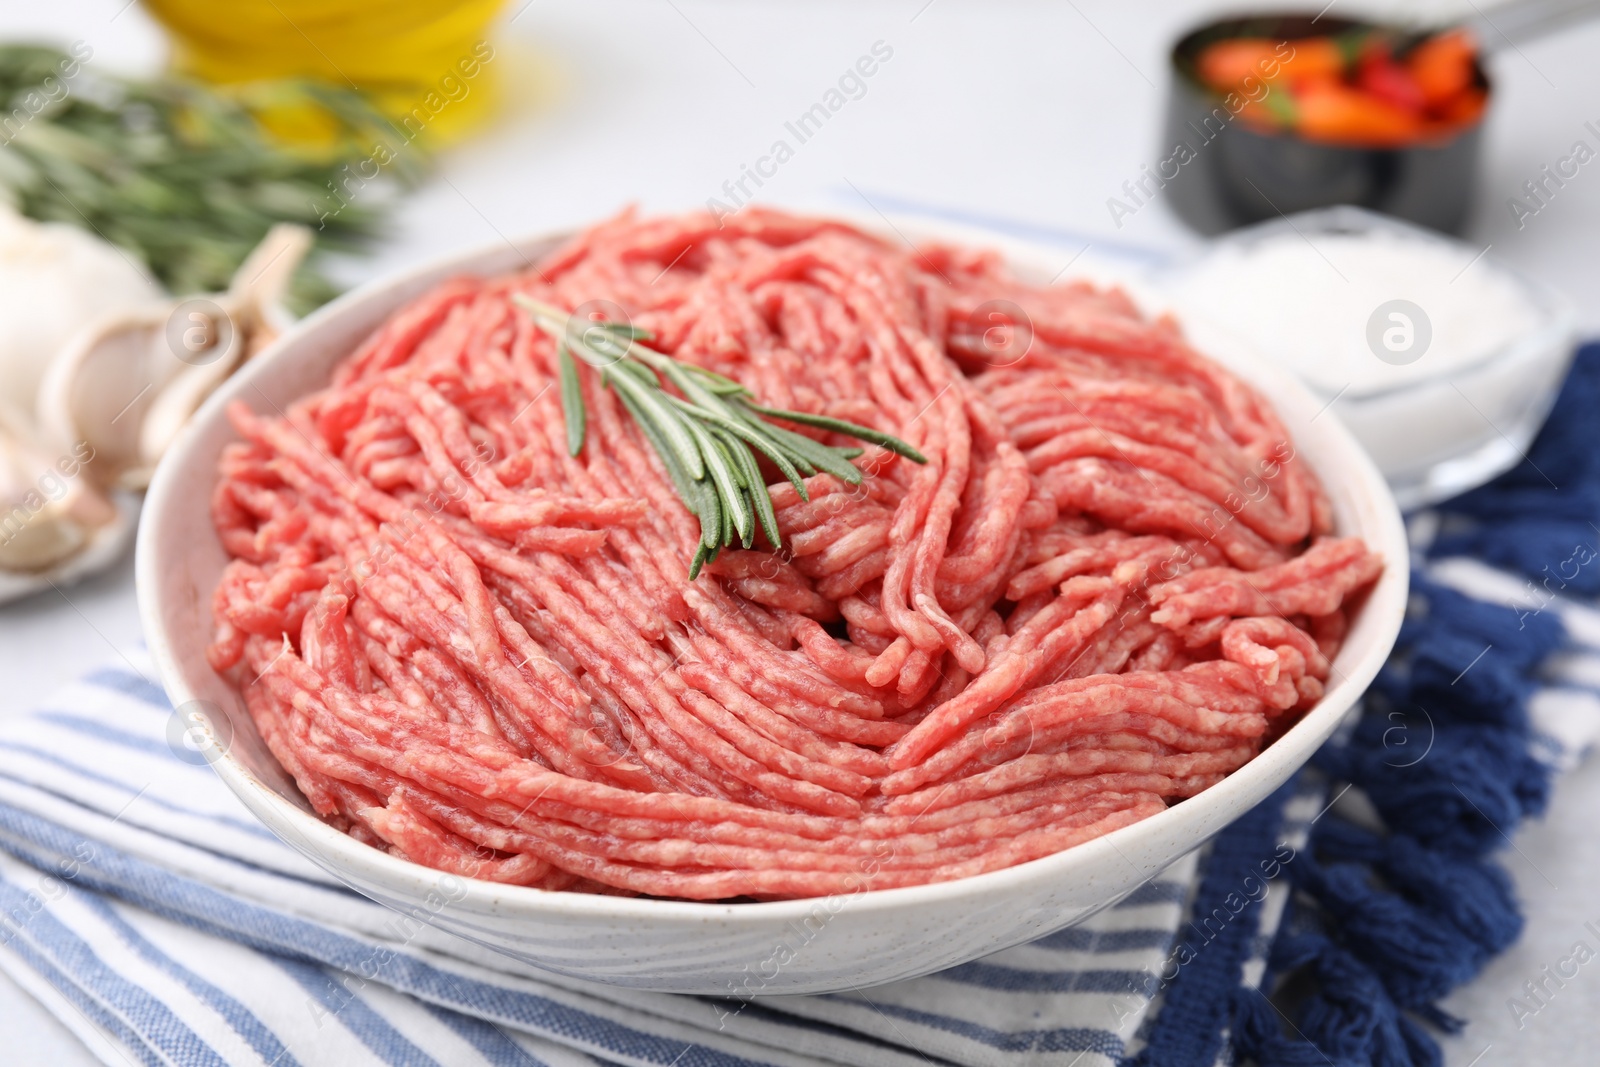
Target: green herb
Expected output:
[571,399]
[185,177]
[708,437]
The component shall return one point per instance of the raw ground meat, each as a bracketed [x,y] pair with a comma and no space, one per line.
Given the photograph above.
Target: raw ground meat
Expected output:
[1112,582]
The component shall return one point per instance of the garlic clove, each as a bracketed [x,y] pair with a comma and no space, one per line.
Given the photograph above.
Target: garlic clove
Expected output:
[262,280]
[261,283]
[130,382]
[171,408]
[107,383]
[99,386]
[48,512]
[39,541]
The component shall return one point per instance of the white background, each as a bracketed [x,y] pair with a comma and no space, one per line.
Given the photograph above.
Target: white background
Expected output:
[1025,114]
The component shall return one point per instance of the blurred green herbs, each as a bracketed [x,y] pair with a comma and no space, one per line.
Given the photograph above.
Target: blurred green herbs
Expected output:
[184,177]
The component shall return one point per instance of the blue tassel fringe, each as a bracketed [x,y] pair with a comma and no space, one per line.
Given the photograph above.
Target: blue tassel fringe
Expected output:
[1386,921]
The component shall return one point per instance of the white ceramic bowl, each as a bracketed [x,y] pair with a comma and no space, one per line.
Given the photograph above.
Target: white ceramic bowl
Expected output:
[843,942]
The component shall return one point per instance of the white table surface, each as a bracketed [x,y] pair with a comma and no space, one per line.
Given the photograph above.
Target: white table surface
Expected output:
[1023,112]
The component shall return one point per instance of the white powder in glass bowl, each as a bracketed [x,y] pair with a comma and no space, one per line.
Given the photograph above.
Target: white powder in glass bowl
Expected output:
[1442,363]
[1307,298]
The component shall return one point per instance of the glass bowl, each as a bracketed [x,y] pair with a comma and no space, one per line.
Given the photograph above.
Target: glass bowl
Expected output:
[1435,427]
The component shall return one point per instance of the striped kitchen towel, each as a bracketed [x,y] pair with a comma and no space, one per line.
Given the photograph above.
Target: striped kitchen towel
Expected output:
[160,922]
[151,913]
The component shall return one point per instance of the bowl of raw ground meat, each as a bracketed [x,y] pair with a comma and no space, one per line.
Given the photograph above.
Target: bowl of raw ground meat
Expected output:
[897,594]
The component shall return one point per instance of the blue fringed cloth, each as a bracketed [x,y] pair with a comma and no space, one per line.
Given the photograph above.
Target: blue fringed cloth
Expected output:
[1398,896]
[163,925]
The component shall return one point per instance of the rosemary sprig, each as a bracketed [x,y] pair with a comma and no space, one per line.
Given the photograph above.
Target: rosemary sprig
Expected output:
[708,435]
[187,178]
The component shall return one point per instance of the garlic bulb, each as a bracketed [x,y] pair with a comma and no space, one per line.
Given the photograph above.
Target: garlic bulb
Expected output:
[54,278]
[99,371]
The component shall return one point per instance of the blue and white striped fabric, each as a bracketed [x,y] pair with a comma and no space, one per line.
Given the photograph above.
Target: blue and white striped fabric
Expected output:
[1566,710]
[150,912]
[1564,727]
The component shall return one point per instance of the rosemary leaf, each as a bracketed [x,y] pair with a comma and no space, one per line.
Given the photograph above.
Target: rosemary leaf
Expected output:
[742,416]
[818,455]
[731,449]
[607,346]
[698,497]
[640,373]
[678,375]
[717,383]
[699,560]
[757,485]
[709,508]
[665,420]
[680,478]
[823,422]
[769,448]
[572,408]
[733,488]
[727,482]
